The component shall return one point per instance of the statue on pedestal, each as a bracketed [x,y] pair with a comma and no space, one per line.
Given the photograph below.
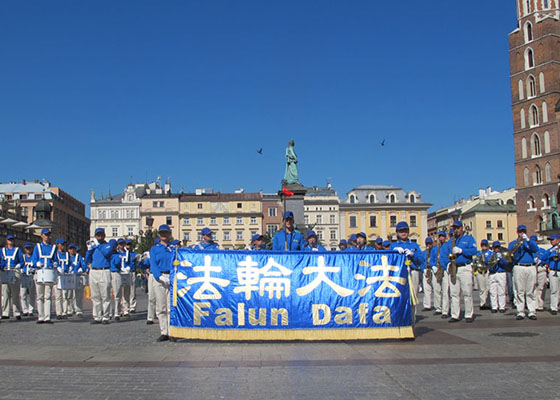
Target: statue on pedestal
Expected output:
[291,174]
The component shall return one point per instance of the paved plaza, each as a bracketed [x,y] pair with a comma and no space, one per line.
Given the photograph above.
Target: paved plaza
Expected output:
[496,357]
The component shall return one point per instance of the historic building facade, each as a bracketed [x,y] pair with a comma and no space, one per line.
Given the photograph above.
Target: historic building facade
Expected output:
[321,214]
[534,49]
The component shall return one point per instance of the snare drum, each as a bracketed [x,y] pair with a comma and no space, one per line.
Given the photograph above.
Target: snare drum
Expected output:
[9,276]
[66,282]
[126,279]
[27,281]
[83,280]
[46,276]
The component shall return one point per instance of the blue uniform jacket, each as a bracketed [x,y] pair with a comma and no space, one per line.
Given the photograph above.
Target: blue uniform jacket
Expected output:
[11,258]
[206,246]
[99,257]
[526,253]
[317,247]
[417,259]
[64,261]
[501,266]
[283,241]
[364,248]
[77,262]
[29,266]
[466,243]
[351,248]
[120,260]
[44,254]
[550,253]
[542,256]
[161,258]
[433,259]
[133,261]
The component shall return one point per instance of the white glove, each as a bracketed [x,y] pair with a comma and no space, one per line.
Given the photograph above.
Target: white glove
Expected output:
[399,249]
[55,264]
[408,252]
[457,250]
[39,264]
[80,271]
[59,269]
[126,270]
[164,279]
[525,237]
[89,246]
[95,242]
[499,256]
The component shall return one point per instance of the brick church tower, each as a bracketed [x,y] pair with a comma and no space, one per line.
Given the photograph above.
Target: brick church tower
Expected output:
[534,49]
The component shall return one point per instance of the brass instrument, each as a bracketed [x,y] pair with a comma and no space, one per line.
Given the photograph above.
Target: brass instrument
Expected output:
[452,269]
[493,260]
[428,267]
[439,271]
[509,254]
[480,266]
[555,259]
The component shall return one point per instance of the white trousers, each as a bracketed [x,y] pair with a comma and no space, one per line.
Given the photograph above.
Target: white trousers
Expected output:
[482,280]
[151,298]
[525,287]
[498,288]
[462,284]
[161,292]
[445,295]
[11,298]
[132,296]
[44,294]
[428,289]
[28,297]
[100,285]
[554,277]
[116,284]
[541,286]
[79,299]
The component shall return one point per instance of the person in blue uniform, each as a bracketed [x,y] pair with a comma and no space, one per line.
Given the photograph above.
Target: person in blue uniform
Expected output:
[540,262]
[120,264]
[441,286]
[312,243]
[342,245]
[379,243]
[207,242]
[429,267]
[44,258]
[482,278]
[98,256]
[61,296]
[524,273]
[386,245]
[352,242]
[462,283]
[28,292]
[257,242]
[11,258]
[161,258]
[80,269]
[553,260]
[288,239]
[496,277]
[361,242]
[129,292]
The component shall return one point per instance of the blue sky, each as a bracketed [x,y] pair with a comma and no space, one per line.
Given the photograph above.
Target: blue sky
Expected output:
[96,92]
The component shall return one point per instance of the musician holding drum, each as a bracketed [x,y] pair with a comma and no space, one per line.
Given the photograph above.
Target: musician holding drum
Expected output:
[497,280]
[120,275]
[28,290]
[65,281]
[80,269]
[11,263]
[44,258]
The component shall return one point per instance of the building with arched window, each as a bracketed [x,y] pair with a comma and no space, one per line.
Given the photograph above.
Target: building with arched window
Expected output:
[535,83]
[376,210]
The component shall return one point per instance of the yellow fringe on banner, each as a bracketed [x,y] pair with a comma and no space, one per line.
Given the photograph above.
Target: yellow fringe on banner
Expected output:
[413,298]
[175,264]
[87,293]
[292,334]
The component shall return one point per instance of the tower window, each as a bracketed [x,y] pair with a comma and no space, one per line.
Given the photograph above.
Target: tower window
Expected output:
[412,198]
[533,116]
[546,4]
[527,6]
[536,145]
[531,203]
[528,32]
[531,86]
[546,201]
[392,198]
[548,172]
[352,199]
[529,58]
[537,178]
[526,176]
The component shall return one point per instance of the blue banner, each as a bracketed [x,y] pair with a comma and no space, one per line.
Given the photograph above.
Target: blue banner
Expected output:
[268,295]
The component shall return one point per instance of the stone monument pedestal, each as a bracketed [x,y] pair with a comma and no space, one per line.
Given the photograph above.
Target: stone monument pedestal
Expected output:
[295,204]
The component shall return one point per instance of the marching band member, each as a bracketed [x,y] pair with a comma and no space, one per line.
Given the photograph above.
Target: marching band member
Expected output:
[429,267]
[288,239]
[28,292]
[61,296]
[412,251]
[44,258]
[98,257]
[78,267]
[540,262]
[207,242]
[352,242]
[257,242]
[386,245]
[379,243]
[342,245]
[482,278]
[12,259]
[119,263]
[524,273]
[129,294]
[151,291]
[497,277]
[440,281]
[553,258]
[312,244]
[161,257]
[361,242]
[463,251]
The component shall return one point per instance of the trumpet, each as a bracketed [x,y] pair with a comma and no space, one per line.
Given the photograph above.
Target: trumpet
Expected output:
[452,260]
[428,267]
[509,254]
[480,265]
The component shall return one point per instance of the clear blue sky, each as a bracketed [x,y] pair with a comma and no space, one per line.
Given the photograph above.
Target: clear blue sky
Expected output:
[96,92]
